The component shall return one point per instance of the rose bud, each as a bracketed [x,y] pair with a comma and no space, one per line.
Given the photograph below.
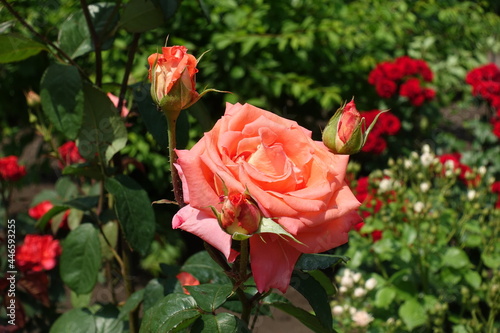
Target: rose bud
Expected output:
[239,215]
[346,131]
[172,74]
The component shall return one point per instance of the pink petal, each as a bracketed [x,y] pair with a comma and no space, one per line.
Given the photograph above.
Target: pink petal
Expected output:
[272,260]
[206,227]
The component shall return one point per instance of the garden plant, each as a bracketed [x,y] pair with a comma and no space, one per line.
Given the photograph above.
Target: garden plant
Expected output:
[204,166]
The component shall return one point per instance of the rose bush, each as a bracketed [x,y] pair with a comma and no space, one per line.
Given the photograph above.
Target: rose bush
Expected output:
[294,180]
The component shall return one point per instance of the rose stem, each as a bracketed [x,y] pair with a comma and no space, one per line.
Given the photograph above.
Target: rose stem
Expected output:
[172,156]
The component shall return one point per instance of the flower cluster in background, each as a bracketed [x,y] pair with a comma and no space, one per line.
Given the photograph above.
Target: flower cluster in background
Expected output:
[10,170]
[38,252]
[404,73]
[485,82]
[351,306]
[387,124]
[69,154]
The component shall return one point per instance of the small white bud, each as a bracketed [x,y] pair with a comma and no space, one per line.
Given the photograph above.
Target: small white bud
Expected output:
[370,283]
[482,170]
[426,149]
[418,206]
[424,187]
[385,185]
[356,277]
[407,164]
[362,318]
[359,292]
[337,310]
[346,281]
[471,194]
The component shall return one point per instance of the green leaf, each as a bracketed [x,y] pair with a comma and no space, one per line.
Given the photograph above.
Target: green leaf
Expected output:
[173,312]
[220,323]
[205,269]
[141,16]
[83,203]
[134,211]
[62,98]
[473,279]
[267,225]
[74,321]
[310,262]
[153,293]
[491,260]
[110,230]
[169,8]
[325,281]
[103,131]
[49,215]
[66,188]
[210,296]
[155,121]
[106,320]
[16,48]
[303,316]
[81,259]
[315,294]
[74,36]
[455,257]
[80,301]
[384,297]
[83,169]
[413,314]
[131,304]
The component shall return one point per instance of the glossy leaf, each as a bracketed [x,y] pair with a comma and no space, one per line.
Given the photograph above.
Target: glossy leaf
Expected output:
[309,320]
[173,312]
[310,261]
[155,121]
[141,16]
[134,211]
[131,304]
[74,321]
[267,225]
[63,104]
[315,294]
[210,296]
[205,269]
[103,132]
[42,222]
[16,48]
[106,320]
[74,36]
[221,323]
[81,259]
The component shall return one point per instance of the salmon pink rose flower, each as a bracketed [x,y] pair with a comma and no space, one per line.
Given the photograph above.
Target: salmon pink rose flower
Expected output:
[294,180]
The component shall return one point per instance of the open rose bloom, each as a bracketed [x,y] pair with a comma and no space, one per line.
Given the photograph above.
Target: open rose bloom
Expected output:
[293,179]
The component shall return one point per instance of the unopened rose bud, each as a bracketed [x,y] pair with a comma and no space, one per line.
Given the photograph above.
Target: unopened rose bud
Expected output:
[239,215]
[346,132]
[172,74]
[32,99]
[370,283]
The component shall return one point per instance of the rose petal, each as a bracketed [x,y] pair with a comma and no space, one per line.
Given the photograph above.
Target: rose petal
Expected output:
[272,260]
[206,227]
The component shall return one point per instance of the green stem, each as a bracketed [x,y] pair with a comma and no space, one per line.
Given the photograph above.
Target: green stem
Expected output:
[129,287]
[176,180]
[96,41]
[128,68]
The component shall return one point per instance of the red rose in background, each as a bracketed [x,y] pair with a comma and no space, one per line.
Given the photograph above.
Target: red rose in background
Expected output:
[387,124]
[407,73]
[43,207]
[38,252]
[69,154]
[39,210]
[10,170]
[186,279]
